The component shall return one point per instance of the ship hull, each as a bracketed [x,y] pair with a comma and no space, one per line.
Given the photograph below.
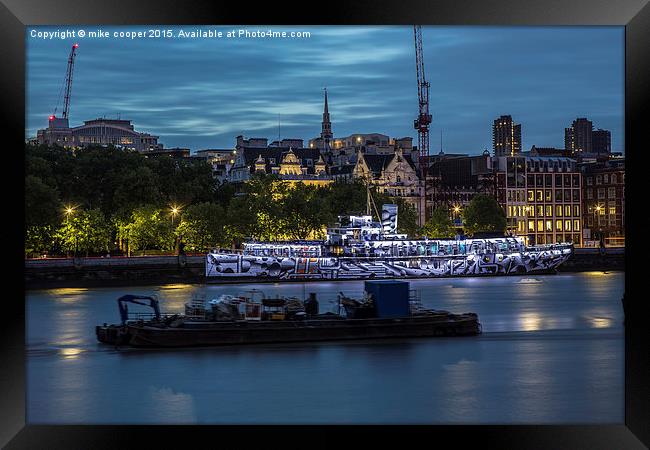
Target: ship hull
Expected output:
[242,332]
[233,267]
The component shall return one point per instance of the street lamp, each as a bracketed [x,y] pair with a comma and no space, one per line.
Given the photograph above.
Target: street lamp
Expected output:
[596,218]
[68,211]
[175,210]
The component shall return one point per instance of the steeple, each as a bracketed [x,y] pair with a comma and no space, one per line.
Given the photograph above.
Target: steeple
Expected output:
[326,126]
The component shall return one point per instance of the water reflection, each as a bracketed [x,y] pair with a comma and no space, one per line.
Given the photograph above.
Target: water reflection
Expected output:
[168,406]
[520,374]
[70,352]
[530,321]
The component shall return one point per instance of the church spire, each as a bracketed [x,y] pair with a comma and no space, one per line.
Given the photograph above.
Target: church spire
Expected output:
[326,126]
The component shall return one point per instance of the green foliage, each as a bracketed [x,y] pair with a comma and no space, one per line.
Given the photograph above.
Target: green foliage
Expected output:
[202,227]
[39,239]
[42,204]
[84,231]
[439,225]
[150,228]
[342,199]
[483,214]
[302,212]
[407,217]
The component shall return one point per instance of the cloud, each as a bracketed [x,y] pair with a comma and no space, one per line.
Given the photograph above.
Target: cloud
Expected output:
[196,92]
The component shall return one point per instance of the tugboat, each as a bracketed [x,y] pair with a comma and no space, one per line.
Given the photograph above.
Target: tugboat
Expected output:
[360,248]
[388,309]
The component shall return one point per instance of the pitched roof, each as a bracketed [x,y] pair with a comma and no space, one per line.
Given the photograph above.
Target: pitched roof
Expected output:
[376,163]
[342,170]
[251,154]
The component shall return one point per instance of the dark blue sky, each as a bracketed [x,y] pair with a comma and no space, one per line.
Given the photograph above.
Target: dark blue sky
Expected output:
[201,93]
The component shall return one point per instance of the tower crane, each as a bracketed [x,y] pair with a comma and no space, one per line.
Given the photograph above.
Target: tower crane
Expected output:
[424,118]
[68,83]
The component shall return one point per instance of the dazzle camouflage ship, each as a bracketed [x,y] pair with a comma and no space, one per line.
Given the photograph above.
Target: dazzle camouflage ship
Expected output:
[365,249]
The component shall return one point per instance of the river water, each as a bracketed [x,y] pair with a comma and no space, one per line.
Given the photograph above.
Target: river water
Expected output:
[551,352]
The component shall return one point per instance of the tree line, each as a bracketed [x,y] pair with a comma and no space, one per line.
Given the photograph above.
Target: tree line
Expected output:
[99,200]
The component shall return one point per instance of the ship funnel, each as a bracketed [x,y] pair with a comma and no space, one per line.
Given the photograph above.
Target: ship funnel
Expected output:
[389,218]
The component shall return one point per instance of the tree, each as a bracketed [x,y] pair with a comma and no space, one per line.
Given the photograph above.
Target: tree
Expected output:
[202,227]
[407,217]
[150,228]
[439,225]
[42,204]
[341,199]
[257,212]
[39,239]
[302,212]
[86,231]
[483,214]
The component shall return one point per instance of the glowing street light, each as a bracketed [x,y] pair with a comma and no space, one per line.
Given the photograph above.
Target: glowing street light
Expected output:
[68,211]
[175,210]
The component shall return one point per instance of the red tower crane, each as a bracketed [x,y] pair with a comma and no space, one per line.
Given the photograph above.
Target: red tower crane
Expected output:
[68,81]
[423,120]
[68,85]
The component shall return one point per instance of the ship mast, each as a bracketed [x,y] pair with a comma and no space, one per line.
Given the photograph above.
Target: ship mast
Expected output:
[371,201]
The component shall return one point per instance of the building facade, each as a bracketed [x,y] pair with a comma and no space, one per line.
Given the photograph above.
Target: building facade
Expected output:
[455,180]
[578,138]
[604,202]
[290,164]
[601,141]
[394,175]
[542,198]
[103,132]
[506,137]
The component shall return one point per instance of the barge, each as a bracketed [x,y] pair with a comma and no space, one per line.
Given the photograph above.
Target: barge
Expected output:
[387,310]
[360,248]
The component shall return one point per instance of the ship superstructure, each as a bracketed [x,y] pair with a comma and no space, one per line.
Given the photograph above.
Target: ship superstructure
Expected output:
[359,248]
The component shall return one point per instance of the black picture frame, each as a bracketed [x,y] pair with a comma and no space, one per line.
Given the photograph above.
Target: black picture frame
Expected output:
[633,14]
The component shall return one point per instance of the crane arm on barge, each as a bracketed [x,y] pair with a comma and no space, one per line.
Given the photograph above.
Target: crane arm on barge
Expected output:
[124,310]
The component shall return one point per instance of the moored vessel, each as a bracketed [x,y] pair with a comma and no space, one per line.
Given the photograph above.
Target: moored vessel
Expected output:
[360,248]
[387,310]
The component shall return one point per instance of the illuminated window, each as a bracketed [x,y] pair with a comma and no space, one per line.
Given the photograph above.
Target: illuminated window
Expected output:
[548,195]
[558,210]
[567,225]
[549,211]
[576,225]
[540,196]
[549,225]
[612,210]
[540,211]
[567,210]
[540,225]
[576,210]
[531,196]
[601,212]
[558,225]
[531,226]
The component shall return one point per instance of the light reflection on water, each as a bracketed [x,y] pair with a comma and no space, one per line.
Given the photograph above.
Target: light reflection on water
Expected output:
[551,352]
